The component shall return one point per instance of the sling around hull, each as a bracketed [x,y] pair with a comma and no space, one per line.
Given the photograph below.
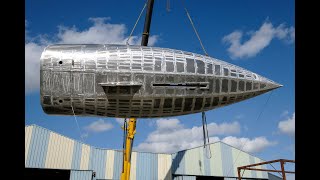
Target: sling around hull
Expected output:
[142,82]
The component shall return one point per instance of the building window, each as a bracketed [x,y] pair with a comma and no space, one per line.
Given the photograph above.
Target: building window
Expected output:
[256,86]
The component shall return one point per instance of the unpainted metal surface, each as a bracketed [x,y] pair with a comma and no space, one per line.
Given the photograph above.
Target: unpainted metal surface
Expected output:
[142,82]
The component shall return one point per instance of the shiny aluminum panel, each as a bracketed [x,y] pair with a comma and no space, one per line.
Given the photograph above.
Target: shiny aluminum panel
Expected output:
[145,82]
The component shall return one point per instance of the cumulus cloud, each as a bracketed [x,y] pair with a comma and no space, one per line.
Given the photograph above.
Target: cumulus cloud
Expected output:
[249,145]
[288,126]
[98,126]
[258,40]
[171,136]
[101,32]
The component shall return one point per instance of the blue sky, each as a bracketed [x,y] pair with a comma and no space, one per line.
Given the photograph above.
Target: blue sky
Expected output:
[256,35]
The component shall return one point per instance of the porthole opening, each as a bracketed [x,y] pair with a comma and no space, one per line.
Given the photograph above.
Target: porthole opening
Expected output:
[60,101]
[60,62]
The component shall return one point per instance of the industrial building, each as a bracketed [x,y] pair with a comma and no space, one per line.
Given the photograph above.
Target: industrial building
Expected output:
[49,154]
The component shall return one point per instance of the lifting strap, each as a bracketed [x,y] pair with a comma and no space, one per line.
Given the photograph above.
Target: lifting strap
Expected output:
[194,28]
[134,27]
[206,140]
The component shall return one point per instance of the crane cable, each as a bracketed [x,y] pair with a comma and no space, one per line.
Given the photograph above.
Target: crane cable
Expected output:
[194,28]
[75,118]
[244,143]
[134,27]
[206,135]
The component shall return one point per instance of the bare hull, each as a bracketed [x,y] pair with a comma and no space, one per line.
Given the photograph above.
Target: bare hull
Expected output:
[142,82]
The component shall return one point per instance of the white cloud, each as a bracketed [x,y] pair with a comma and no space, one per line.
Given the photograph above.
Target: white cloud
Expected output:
[101,32]
[258,40]
[288,126]
[251,146]
[171,136]
[98,126]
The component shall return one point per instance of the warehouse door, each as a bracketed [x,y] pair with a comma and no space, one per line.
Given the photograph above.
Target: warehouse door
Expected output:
[46,174]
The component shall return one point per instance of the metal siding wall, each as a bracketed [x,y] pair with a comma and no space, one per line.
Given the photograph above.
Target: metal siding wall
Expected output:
[264,174]
[117,167]
[85,155]
[194,161]
[133,167]
[76,157]
[80,175]
[216,160]
[28,134]
[164,167]
[241,159]
[178,162]
[60,151]
[253,173]
[206,160]
[109,164]
[97,162]
[147,166]
[259,173]
[227,160]
[38,148]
